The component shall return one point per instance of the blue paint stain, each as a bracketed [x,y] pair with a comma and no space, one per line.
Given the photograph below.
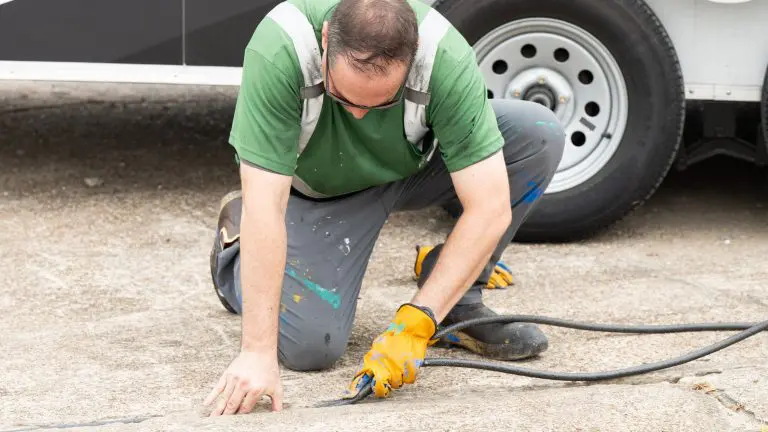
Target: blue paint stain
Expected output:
[452,338]
[504,266]
[329,296]
[533,194]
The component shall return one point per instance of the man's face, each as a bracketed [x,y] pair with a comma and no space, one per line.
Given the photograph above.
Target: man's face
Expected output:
[352,87]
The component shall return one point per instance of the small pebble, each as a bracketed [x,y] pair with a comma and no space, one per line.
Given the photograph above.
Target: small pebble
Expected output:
[93,181]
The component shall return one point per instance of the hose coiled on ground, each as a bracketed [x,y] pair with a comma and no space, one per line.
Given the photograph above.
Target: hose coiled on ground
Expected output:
[748,330]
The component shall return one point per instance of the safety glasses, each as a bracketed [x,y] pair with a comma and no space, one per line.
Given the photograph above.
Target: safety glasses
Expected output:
[397,100]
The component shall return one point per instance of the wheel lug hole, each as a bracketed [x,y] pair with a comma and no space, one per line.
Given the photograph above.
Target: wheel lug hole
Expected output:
[586,77]
[592,109]
[528,51]
[499,67]
[562,55]
[578,138]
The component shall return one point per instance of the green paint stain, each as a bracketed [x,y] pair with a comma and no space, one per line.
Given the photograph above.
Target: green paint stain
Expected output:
[396,328]
[543,123]
[331,297]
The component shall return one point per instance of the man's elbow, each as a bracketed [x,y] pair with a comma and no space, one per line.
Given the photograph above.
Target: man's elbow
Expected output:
[503,217]
[494,214]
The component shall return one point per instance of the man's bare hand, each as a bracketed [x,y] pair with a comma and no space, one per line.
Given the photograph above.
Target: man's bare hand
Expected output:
[249,377]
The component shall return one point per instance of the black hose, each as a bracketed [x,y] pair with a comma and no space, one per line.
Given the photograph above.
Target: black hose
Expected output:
[609,328]
[748,330]
[596,376]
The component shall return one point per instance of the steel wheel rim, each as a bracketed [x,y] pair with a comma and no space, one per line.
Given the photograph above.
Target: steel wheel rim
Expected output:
[592,105]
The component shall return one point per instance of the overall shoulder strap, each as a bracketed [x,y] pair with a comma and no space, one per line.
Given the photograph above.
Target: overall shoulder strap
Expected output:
[299,29]
[417,97]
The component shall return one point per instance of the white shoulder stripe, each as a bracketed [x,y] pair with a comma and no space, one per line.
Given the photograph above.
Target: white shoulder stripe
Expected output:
[293,22]
[431,32]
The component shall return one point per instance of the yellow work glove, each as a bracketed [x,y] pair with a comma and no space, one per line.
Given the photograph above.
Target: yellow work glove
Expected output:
[500,278]
[396,354]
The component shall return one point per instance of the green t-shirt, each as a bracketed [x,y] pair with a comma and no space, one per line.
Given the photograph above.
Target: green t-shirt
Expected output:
[345,154]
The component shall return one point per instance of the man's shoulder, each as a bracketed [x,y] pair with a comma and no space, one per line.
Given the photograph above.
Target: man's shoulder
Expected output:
[271,41]
[453,51]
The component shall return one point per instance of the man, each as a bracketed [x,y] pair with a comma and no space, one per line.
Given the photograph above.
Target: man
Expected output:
[348,111]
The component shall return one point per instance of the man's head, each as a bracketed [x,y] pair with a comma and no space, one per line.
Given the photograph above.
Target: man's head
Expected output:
[368,49]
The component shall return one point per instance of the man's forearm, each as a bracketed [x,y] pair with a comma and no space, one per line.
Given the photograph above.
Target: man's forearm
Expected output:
[464,255]
[262,250]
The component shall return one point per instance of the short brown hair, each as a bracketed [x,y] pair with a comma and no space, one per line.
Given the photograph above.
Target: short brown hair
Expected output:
[371,34]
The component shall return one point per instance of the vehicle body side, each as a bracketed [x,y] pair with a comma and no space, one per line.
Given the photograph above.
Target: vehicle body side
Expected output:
[722,47]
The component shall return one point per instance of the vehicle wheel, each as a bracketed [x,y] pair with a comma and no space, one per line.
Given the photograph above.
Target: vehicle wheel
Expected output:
[610,73]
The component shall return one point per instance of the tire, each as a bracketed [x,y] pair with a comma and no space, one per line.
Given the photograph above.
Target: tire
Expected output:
[637,125]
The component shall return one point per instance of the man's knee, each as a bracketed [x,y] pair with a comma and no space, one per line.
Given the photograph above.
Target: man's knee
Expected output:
[530,129]
[317,348]
[547,128]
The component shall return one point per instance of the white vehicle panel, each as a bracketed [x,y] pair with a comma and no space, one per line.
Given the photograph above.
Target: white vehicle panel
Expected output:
[722,45]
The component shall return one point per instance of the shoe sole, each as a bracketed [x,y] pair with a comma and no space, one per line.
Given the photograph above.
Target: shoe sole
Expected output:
[224,302]
[216,248]
[233,195]
[493,351]
[224,236]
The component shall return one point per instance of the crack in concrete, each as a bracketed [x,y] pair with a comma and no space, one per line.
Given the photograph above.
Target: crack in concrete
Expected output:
[719,395]
[729,402]
[723,398]
[675,379]
[123,420]
[633,381]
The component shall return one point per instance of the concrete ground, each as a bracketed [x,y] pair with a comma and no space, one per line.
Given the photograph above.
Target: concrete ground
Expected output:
[108,199]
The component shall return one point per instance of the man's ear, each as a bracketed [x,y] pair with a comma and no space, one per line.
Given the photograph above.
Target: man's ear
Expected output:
[325,35]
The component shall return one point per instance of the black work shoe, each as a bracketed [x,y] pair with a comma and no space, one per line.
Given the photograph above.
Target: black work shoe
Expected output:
[230,212]
[227,232]
[512,341]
